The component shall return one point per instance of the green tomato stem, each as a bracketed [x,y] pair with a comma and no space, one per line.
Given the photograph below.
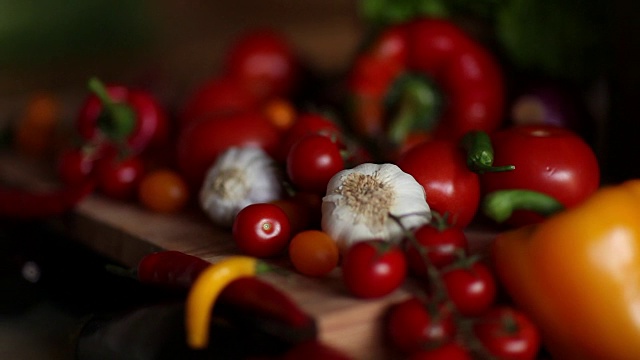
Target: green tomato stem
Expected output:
[500,205]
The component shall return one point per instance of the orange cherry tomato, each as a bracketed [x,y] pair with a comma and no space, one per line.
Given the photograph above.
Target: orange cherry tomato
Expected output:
[313,253]
[163,191]
[35,129]
[280,112]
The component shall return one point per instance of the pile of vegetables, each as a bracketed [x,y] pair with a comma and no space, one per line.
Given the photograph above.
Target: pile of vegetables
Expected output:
[380,191]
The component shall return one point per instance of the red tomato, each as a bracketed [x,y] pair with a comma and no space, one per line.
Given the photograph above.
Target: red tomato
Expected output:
[163,191]
[508,334]
[312,162]
[372,269]
[411,326]
[313,253]
[74,167]
[471,289]
[201,142]
[452,189]
[547,159]
[443,246]
[264,62]
[261,230]
[306,124]
[218,95]
[119,178]
[449,351]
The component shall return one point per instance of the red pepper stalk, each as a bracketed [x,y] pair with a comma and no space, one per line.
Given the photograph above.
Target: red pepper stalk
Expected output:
[123,116]
[451,84]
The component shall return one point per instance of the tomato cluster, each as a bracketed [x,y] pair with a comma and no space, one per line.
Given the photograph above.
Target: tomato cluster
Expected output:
[455,312]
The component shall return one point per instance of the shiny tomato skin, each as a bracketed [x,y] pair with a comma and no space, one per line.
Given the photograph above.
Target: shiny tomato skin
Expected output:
[119,178]
[264,61]
[313,253]
[548,159]
[507,333]
[372,269]
[444,246]
[200,143]
[451,188]
[410,326]
[306,124]
[261,230]
[472,289]
[74,167]
[312,162]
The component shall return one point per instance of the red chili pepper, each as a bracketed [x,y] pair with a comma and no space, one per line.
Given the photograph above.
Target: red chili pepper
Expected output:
[176,270]
[425,75]
[25,204]
[122,115]
[170,269]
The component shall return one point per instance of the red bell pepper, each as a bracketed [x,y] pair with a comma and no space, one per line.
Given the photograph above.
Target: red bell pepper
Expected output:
[122,115]
[426,74]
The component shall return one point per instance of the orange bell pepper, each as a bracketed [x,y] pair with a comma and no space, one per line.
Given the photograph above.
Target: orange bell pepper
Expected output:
[577,274]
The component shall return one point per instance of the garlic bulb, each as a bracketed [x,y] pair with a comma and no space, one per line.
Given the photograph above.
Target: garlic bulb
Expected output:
[240,176]
[359,201]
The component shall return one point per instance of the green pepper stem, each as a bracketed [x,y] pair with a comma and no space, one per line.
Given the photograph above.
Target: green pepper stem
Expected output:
[416,102]
[479,149]
[120,119]
[500,205]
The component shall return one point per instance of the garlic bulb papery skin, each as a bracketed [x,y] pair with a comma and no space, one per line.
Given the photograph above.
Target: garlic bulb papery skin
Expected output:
[358,202]
[239,177]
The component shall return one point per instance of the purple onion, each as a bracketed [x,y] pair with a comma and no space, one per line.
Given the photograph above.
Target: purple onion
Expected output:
[545,105]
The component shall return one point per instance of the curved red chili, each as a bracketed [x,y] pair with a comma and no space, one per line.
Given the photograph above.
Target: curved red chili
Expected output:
[175,270]
[122,114]
[427,74]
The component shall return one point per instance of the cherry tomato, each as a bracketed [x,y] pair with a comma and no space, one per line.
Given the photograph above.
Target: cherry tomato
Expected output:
[313,253]
[34,132]
[200,143]
[507,333]
[307,123]
[449,351]
[443,245]
[119,178]
[312,162]
[261,230]
[280,112]
[74,166]
[547,159]
[471,289]
[163,191]
[298,213]
[411,326]
[264,62]
[452,189]
[374,268]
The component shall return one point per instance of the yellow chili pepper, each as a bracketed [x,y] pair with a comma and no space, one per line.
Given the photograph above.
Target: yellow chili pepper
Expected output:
[204,292]
[577,274]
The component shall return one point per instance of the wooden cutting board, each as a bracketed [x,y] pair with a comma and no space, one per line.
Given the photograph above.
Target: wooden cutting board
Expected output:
[126,232]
